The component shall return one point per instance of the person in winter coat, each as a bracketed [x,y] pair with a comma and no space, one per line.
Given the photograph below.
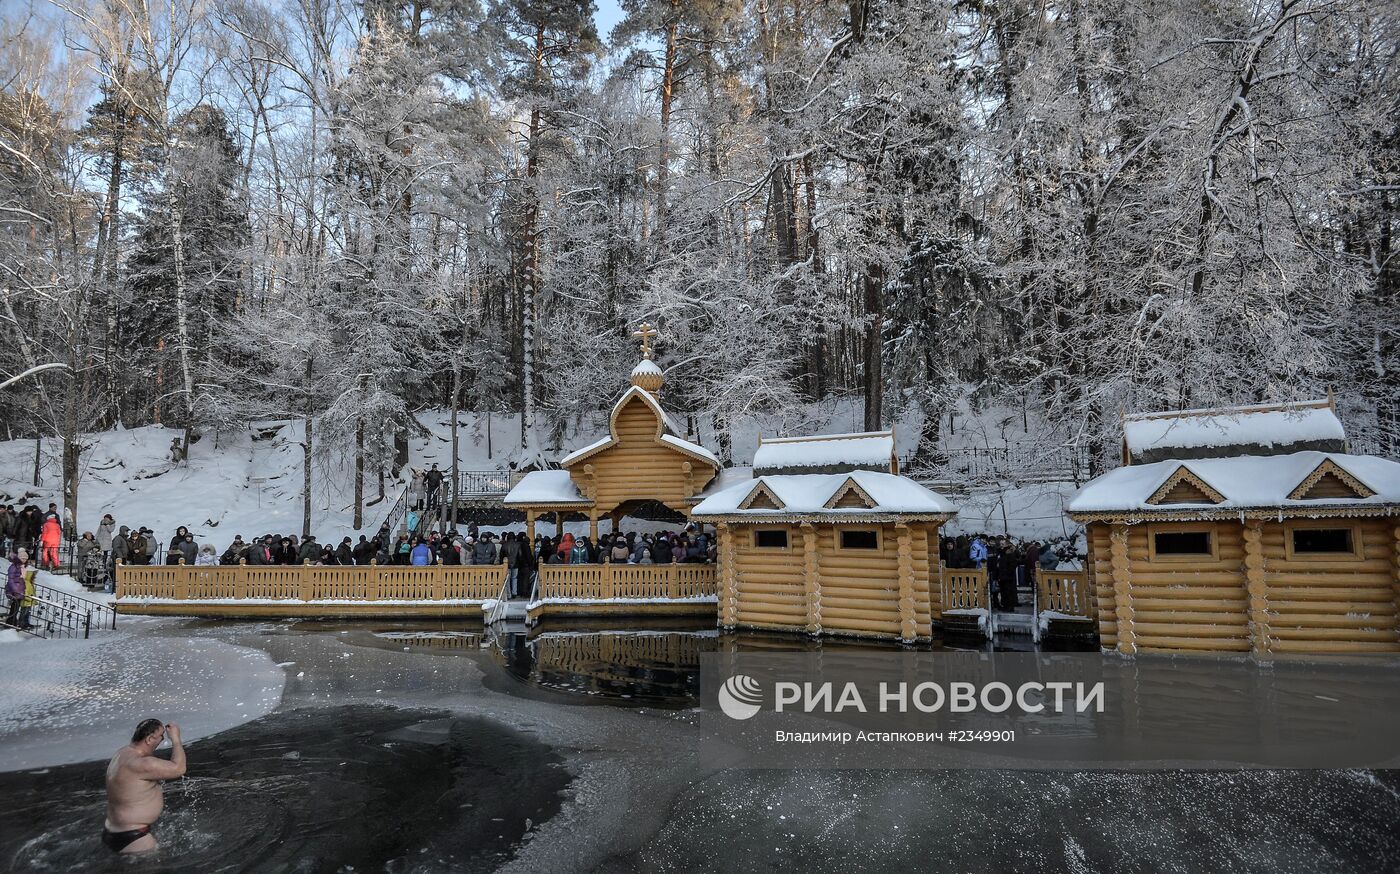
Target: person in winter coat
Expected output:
[416,491]
[344,554]
[381,553]
[484,552]
[285,553]
[432,484]
[579,553]
[977,553]
[121,546]
[148,538]
[565,549]
[420,555]
[258,552]
[189,550]
[678,548]
[310,550]
[619,550]
[14,585]
[327,557]
[235,551]
[105,530]
[178,540]
[27,603]
[402,548]
[207,557]
[643,554]
[51,537]
[363,551]
[89,564]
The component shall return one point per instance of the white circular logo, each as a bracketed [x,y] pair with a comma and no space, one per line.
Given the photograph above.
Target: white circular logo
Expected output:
[740,697]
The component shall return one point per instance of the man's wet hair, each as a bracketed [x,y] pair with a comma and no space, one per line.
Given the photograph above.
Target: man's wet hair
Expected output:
[147,728]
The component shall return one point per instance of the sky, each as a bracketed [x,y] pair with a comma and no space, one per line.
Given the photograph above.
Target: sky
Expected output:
[608,15]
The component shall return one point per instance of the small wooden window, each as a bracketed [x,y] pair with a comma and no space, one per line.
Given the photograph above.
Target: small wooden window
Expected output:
[1323,542]
[858,538]
[770,538]
[1182,544]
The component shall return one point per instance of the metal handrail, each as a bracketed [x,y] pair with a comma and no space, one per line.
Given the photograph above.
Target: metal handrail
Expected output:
[501,607]
[106,617]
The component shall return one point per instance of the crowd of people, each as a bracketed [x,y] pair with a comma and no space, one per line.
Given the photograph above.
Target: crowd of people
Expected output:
[94,555]
[1009,564]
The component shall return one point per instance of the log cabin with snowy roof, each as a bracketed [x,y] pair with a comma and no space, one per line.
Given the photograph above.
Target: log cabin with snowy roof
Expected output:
[1244,529]
[828,538]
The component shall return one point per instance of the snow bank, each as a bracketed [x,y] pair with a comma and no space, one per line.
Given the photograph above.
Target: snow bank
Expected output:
[75,700]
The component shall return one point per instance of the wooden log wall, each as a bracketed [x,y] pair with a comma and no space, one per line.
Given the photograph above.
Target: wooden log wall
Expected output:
[637,466]
[815,587]
[1100,571]
[1344,604]
[1251,596]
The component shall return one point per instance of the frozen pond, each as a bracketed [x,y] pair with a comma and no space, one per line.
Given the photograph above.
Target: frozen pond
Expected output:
[436,748]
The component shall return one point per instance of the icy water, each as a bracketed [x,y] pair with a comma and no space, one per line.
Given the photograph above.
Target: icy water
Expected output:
[437,748]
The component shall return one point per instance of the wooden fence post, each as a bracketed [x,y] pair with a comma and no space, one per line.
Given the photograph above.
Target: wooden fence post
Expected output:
[240,579]
[182,581]
[673,581]
[372,578]
[304,580]
[439,582]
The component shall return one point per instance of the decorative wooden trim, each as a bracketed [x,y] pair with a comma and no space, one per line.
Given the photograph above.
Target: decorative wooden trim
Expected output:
[908,620]
[1182,528]
[825,518]
[753,538]
[1255,585]
[847,487]
[811,578]
[1122,591]
[879,538]
[1183,474]
[1358,548]
[728,576]
[1328,466]
[761,489]
[1207,514]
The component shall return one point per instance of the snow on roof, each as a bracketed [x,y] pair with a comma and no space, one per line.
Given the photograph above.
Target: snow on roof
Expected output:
[807,494]
[646,365]
[673,440]
[725,478]
[585,450]
[1233,431]
[1246,482]
[545,487]
[829,453]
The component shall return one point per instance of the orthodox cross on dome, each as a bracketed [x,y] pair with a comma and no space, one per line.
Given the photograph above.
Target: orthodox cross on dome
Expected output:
[644,333]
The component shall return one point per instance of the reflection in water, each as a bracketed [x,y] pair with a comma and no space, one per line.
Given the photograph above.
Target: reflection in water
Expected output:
[659,666]
[339,789]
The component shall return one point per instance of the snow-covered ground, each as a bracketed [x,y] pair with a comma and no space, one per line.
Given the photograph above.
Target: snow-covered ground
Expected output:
[74,700]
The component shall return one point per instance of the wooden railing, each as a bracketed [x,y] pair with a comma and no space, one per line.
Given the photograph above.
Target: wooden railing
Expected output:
[311,582]
[1063,592]
[964,588]
[633,581]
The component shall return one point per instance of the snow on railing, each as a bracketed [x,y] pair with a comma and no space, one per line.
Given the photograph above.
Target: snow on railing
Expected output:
[309,582]
[630,581]
[1062,592]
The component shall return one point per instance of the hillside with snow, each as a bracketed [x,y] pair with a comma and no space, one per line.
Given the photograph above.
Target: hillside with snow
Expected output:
[249,481]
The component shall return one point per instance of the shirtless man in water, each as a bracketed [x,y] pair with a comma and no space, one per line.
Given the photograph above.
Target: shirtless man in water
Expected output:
[134,787]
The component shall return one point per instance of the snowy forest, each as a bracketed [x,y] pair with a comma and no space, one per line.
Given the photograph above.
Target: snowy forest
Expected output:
[217,212]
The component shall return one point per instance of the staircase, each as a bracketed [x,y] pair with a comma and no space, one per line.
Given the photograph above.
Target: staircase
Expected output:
[55,613]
